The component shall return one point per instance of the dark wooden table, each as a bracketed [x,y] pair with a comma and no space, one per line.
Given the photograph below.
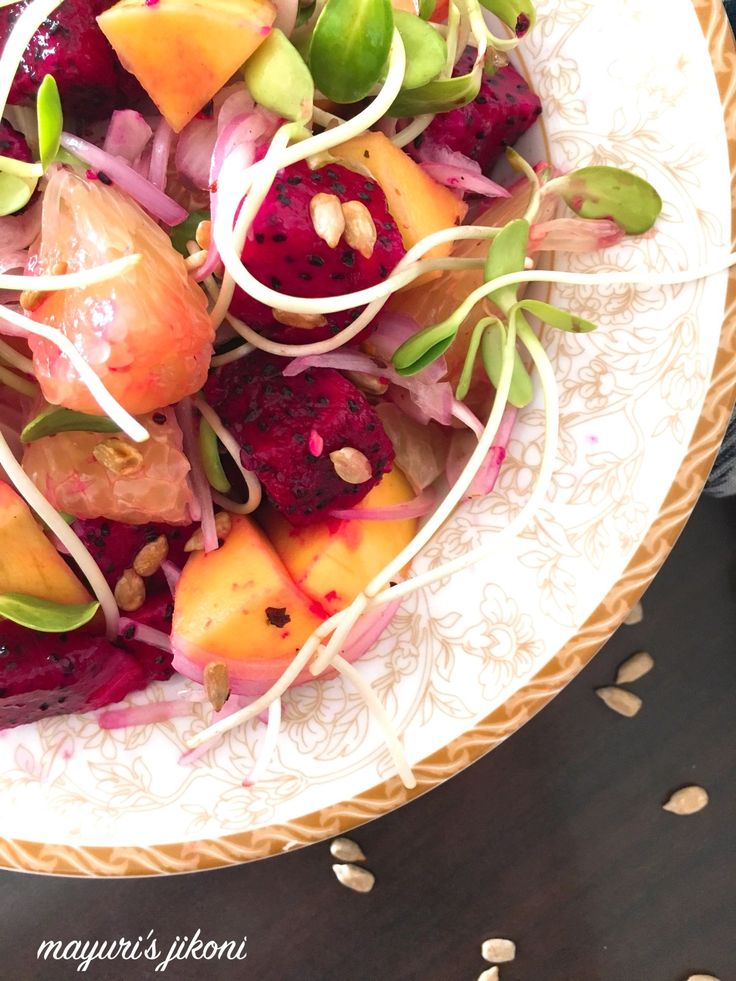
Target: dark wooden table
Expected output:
[556,840]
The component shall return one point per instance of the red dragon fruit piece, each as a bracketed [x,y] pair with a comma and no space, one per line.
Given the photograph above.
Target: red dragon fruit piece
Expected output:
[70,46]
[13,143]
[274,418]
[284,252]
[503,110]
[42,674]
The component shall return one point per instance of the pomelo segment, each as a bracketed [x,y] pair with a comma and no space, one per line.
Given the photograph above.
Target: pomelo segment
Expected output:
[145,333]
[184,51]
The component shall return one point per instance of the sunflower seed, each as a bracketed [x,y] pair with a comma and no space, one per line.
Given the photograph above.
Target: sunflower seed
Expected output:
[118,457]
[354,877]
[702,977]
[307,321]
[621,701]
[634,667]
[351,465]
[687,800]
[491,974]
[498,951]
[130,591]
[327,218]
[346,850]
[223,527]
[634,616]
[150,557]
[216,683]
[360,229]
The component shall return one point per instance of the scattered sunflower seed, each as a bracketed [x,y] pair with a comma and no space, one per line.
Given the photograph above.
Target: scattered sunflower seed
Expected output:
[223,527]
[304,320]
[634,667]
[216,682]
[346,850]
[702,977]
[491,974]
[621,701]
[634,616]
[351,465]
[687,800]
[130,591]
[118,457]
[360,230]
[150,557]
[498,951]
[354,877]
[327,218]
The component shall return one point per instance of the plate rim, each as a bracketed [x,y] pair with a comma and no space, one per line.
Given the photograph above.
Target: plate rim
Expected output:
[202,854]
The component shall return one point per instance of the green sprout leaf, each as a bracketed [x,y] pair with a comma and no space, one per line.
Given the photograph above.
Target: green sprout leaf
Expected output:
[441,95]
[607,192]
[426,8]
[304,14]
[278,79]
[466,375]
[506,255]
[426,50]
[423,348]
[519,15]
[15,193]
[50,120]
[19,168]
[350,46]
[58,420]
[186,231]
[555,317]
[44,615]
[492,344]
[210,454]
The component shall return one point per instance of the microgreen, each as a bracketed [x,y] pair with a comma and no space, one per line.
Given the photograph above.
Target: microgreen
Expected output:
[278,79]
[426,50]
[15,192]
[350,46]
[185,232]
[210,455]
[518,15]
[19,168]
[555,317]
[58,420]
[492,348]
[424,347]
[607,192]
[304,14]
[506,255]
[45,615]
[426,8]
[440,95]
[466,375]
[50,120]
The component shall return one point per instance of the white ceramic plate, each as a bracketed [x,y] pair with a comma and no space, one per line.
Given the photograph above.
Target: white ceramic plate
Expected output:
[625,82]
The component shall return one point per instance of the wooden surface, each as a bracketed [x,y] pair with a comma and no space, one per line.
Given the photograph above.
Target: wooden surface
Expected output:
[556,840]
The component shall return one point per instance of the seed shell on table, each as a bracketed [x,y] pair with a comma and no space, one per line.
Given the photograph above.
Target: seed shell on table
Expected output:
[497,950]
[702,977]
[490,974]
[621,701]
[634,667]
[687,800]
[346,850]
[634,616]
[354,877]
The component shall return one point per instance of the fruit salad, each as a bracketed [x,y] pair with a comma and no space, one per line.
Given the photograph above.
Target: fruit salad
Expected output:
[263,328]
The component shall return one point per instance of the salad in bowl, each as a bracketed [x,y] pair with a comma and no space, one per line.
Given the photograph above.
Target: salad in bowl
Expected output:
[264,327]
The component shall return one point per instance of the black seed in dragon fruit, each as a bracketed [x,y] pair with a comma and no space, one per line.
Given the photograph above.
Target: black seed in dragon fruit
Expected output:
[70,46]
[284,252]
[287,428]
[503,110]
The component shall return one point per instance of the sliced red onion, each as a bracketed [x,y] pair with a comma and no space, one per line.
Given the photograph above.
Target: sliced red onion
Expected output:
[431,152]
[13,260]
[144,715]
[423,402]
[147,635]
[232,101]
[19,231]
[160,152]
[200,484]
[575,235]
[171,574]
[368,630]
[416,508]
[462,447]
[194,150]
[286,11]
[466,181]
[232,705]
[341,359]
[464,415]
[127,135]
[154,201]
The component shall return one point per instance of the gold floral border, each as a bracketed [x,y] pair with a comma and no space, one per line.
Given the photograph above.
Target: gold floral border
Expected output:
[230,850]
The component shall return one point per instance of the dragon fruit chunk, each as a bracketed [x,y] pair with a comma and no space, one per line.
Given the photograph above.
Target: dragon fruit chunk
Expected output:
[503,110]
[42,675]
[284,251]
[274,418]
[70,46]
[13,143]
